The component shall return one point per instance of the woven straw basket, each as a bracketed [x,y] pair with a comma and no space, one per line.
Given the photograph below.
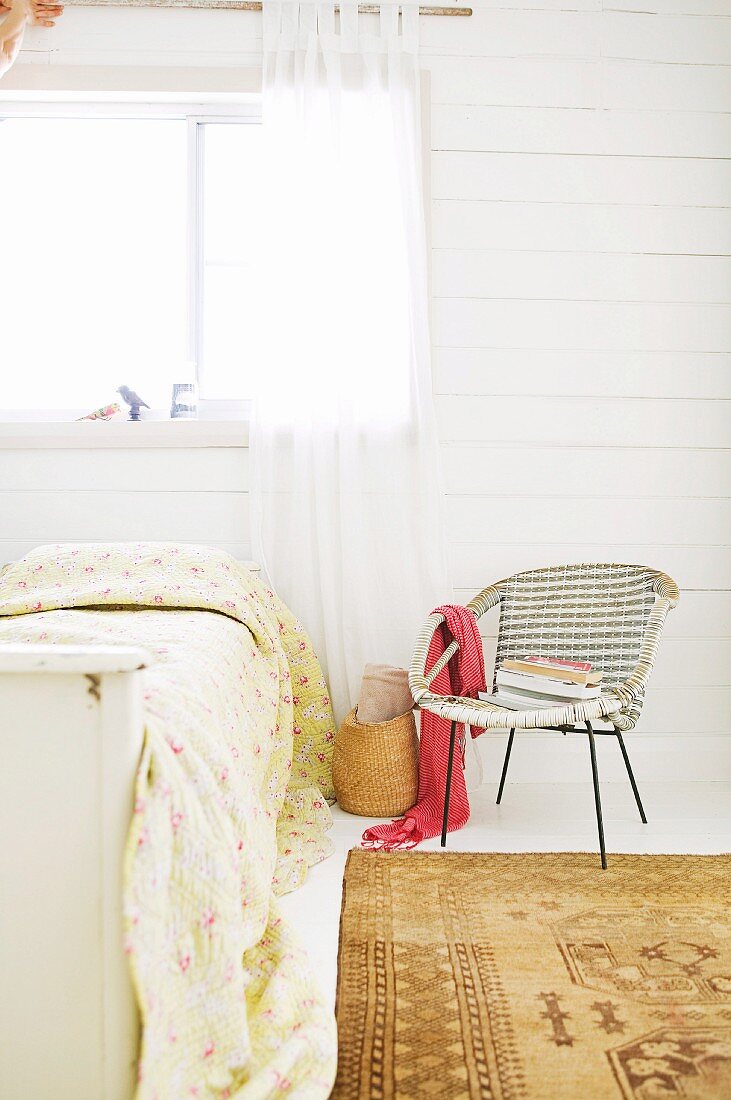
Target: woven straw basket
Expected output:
[376,766]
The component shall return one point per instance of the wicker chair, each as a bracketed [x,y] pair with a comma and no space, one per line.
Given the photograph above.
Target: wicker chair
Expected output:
[611,615]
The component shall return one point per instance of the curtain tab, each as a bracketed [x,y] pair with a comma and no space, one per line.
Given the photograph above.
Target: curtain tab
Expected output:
[410,26]
[326,18]
[308,18]
[271,22]
[349,21]
[389,20]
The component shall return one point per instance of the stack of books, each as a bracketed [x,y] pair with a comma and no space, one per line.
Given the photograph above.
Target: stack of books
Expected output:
[534,683]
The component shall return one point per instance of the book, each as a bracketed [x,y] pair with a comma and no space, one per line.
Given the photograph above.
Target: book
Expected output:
[555,687]
[514,702]
[577,672]
[560,662]
[537,698]
[106,412]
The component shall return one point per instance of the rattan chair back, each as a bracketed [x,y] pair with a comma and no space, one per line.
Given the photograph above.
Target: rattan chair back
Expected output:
[611,615]
[596,613]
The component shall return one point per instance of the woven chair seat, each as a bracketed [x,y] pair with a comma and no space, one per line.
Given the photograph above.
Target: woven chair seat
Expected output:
[611,615]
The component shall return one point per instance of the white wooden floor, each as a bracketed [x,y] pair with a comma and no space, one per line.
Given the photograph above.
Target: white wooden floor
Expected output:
[682,817]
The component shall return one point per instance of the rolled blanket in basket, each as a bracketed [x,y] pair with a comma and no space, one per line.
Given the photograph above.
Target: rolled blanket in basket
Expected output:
[384,693]
[463,675]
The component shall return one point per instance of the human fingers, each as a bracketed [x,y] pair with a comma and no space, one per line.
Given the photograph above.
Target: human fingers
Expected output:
[42,10]
[46,18]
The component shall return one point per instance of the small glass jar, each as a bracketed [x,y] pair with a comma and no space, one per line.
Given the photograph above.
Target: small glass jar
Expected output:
[184,405]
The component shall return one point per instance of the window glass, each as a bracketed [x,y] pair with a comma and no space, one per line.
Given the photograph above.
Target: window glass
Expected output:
[92,260]
[230,265]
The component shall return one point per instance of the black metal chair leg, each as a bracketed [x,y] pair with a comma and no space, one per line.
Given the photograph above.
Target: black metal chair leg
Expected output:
[505,767]
[450,761]
[597,798]
[630,773]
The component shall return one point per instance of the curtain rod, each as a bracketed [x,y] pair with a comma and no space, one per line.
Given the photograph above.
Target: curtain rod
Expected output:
[240,5]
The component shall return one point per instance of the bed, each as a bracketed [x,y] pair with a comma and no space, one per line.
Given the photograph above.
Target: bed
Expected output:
[166,740]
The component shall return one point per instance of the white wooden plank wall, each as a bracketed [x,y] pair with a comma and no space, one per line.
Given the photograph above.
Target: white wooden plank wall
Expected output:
[581,279]
[196,494]
[581,274]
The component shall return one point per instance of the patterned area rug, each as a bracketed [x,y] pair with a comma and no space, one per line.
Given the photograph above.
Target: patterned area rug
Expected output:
[534,977]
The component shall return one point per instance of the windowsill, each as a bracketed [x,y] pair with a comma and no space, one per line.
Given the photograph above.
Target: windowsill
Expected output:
[121,434]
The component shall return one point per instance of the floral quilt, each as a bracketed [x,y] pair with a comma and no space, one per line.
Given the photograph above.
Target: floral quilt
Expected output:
[231,807]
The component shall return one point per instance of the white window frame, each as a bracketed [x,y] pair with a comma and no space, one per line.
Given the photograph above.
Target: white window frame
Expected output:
[208,409]
[246,110]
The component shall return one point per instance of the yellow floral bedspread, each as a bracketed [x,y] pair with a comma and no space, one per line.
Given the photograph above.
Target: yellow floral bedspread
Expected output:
[231,807]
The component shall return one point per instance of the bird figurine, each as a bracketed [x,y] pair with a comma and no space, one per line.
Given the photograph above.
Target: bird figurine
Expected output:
[133,400]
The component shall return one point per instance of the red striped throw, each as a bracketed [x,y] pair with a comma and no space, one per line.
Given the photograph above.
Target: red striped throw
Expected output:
[463,675]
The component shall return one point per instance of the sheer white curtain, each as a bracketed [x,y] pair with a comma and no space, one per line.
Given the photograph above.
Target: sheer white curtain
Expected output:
[346,502]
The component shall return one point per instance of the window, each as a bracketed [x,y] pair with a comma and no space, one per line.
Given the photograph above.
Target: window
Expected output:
[226,277]
[129,254]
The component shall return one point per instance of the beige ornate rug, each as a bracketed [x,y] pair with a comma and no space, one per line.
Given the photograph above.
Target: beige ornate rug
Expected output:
[541,977]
